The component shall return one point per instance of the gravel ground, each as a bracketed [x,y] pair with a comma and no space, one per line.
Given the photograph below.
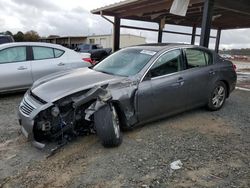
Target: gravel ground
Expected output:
[243,72]
[214,148]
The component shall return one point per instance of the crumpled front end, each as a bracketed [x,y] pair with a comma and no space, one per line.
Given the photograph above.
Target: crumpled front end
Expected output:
[29,107]
[72,115]
[63,119]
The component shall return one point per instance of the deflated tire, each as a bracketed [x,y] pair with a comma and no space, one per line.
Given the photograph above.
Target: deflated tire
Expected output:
[107,126]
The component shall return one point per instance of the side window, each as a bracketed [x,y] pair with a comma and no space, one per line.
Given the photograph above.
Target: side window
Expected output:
[14,54]
[195,58]
[94,47]
[58,53]
[42,53]
[167,64]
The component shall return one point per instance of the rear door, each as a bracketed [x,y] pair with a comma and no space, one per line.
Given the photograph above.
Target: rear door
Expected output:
[46,61]
[75,59]
[15,70]
[163,90]
[200,75]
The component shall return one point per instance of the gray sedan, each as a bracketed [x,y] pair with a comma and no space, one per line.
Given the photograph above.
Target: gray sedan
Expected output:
[131,87]
[23,63]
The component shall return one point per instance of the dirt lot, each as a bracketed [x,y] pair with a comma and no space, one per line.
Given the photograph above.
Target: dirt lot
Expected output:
[214,148]
[243,72]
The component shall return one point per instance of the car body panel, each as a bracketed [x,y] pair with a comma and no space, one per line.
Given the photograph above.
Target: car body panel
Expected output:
[75,80]
[41,68]
[15,76]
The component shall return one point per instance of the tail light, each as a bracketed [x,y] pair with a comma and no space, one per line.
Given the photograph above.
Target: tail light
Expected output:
[89,60]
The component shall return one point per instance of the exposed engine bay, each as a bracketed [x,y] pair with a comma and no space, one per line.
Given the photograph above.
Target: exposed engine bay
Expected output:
[71,116]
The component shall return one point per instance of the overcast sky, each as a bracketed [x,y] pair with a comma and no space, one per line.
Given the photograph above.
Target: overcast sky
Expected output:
[73,17]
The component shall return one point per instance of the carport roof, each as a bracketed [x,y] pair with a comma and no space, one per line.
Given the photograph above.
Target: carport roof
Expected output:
[227,14]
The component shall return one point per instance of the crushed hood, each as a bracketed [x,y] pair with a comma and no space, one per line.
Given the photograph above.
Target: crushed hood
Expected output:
[59,85]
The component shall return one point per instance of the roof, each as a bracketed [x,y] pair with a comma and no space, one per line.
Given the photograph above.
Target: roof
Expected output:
[163,46]
[2,35]
[13,44]
[64,37]
[227,14]
[111,35]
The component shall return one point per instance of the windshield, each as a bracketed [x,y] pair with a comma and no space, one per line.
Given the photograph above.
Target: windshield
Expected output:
[84,47]
[127,62]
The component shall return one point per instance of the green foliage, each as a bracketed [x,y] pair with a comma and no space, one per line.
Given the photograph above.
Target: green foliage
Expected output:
[19,36]
[8,33]
[29,36]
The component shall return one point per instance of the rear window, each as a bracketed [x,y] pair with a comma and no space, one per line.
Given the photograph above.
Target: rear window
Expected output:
[40,53]
[197,58]
[58,53]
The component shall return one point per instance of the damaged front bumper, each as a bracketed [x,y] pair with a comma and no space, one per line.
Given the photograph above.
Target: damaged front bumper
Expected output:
[27,111]
[30,108]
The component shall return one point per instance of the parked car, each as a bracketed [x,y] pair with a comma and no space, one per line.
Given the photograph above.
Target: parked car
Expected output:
[6,39]
[130,87]
[23,63]
[97,52]
[226,56]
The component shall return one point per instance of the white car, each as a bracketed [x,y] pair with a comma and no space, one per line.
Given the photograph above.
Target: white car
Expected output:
[23,63]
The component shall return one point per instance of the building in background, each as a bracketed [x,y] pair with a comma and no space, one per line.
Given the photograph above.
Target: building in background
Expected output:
[104,40]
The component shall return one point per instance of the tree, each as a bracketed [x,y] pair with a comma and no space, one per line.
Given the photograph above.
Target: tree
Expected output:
[8,33]
[31,36]
[19,36]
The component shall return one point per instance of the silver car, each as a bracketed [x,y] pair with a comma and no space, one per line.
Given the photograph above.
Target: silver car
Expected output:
[23,63]
[132,86]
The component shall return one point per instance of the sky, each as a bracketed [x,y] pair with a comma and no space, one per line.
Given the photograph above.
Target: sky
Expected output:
[73,17]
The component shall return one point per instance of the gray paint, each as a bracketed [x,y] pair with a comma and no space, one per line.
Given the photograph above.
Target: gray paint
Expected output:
[139,99]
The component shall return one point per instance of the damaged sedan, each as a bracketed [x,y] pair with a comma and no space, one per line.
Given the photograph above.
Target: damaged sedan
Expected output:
[130,87]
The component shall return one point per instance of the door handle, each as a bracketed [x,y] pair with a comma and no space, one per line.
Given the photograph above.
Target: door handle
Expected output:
[22,68]
[212,72]
[61,64]
[180,81]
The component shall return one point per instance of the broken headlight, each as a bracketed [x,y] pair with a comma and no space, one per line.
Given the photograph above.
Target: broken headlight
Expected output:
[55,111]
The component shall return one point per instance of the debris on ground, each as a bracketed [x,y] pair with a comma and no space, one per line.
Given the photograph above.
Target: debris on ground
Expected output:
[176,165]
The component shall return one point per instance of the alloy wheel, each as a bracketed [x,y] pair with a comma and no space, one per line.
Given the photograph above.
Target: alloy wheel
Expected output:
[218,96]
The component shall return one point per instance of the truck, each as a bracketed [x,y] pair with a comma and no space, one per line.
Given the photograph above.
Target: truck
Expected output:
[6,39]
[97,52]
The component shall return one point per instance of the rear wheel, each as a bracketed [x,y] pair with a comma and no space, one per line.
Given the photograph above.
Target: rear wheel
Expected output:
[217,97]
[107,126]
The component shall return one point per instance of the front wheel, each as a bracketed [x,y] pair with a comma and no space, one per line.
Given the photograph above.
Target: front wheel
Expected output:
[107,126]
[217,97]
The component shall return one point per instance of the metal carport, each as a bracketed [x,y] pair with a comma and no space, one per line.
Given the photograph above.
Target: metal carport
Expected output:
[206,14]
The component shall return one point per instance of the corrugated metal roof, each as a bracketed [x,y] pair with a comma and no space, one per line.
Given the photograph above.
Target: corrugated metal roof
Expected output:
[114,5]
[227,14]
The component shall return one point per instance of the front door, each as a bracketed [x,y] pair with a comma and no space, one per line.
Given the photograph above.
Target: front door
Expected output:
[15,70]
[163,90]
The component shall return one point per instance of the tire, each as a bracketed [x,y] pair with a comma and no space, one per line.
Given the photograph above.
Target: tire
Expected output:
[217,96]
[107,126]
